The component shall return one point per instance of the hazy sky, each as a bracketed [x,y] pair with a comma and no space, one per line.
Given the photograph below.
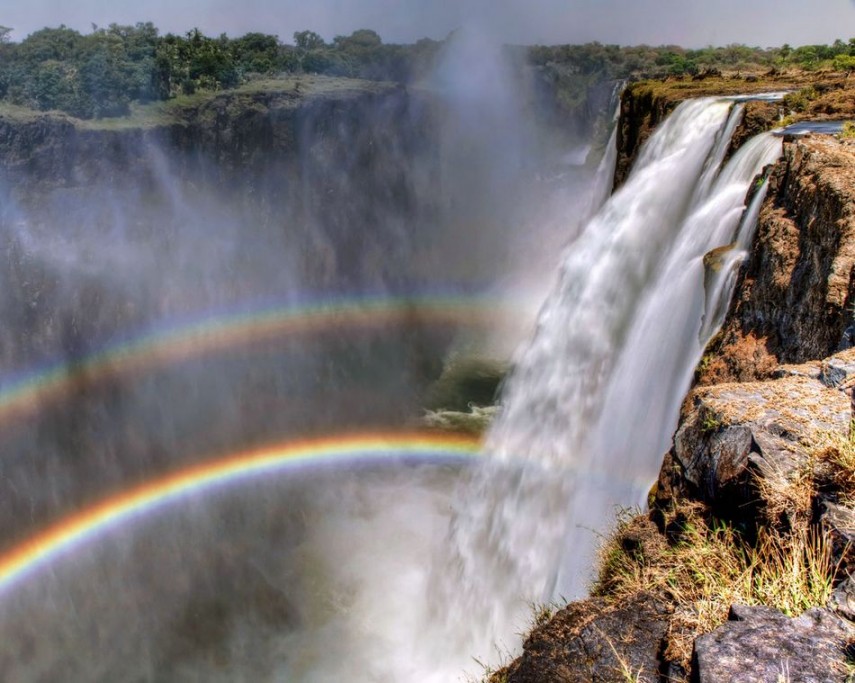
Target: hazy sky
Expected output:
[693,23]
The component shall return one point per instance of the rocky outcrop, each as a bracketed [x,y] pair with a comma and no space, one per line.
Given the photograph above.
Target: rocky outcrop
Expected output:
[794,295]
[730,434]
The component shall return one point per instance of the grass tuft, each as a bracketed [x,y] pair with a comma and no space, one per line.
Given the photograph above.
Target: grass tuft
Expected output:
[709,565]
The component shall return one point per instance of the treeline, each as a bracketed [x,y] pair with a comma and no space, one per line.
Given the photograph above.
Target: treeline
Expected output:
[645,61]
[101,73]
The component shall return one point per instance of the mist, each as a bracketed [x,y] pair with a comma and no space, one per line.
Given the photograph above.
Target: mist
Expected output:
[453,189]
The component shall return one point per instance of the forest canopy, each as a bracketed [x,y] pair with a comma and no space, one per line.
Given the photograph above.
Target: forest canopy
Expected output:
[101,73]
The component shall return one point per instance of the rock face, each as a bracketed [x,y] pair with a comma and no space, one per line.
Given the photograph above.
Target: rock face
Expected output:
[592,641]
[761,644]
[794,295]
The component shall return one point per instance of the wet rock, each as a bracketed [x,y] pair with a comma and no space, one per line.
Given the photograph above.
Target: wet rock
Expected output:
[730,431]
[760,644]
[592,641]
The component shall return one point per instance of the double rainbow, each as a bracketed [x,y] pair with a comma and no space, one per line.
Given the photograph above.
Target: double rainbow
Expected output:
[217,334]
[74,531]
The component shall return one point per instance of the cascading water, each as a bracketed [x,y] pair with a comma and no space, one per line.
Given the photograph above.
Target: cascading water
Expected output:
[591,403]
[654,368]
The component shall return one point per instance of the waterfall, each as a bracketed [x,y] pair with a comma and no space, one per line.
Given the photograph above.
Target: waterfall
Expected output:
[555,392]
[592,402]
[604,177]
[654,368]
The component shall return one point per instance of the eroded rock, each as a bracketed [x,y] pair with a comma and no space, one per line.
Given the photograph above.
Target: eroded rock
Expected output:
[794,294]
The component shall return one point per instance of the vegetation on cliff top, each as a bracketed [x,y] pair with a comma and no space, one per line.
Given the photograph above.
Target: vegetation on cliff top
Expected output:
[105,72]
[101,74]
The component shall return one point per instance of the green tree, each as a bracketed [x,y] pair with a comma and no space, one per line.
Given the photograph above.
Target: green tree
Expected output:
[308,40]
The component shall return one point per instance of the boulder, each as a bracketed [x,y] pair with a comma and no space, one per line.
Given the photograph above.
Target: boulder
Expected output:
[730,432]
[593,641]
[762,645]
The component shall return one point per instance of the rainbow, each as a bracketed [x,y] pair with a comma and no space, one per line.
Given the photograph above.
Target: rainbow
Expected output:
[70,533]
[220,333]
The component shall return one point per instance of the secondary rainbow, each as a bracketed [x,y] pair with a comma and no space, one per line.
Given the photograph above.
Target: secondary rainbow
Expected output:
[220,333]
[72,532]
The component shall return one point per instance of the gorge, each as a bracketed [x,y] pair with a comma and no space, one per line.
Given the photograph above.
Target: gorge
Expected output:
[281,273]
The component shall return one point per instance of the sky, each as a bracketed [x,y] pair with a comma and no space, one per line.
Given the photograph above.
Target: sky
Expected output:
[691,23]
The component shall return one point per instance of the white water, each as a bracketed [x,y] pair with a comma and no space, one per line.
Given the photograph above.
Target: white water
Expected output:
[592,403]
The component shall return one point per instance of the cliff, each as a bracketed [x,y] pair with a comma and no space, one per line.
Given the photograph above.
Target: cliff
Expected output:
[794,295]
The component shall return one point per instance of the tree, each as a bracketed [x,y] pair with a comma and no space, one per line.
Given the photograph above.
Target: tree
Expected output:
[308,40]
[256,53]
[5,34]
[363,38]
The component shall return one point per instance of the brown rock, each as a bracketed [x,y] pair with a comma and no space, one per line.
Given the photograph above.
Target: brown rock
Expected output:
[592,641]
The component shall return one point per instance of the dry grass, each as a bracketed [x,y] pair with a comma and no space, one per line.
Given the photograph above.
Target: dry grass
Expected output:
[837,453]
[624,668]
[787,494]
[709,566]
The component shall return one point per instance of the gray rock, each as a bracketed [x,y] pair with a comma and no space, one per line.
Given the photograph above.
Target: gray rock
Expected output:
[811,369]
[840,519]
[730,430]
[835,371]
[762,645]
[842,600]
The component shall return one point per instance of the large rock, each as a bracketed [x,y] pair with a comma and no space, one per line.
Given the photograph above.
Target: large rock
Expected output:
[730,432]
[762,645]
[590,641]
